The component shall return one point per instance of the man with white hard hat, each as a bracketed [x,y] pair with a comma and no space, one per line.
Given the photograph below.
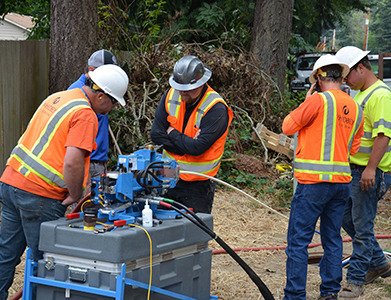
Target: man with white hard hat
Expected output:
[371,176]
[330,126]
[48,168]
[99,157]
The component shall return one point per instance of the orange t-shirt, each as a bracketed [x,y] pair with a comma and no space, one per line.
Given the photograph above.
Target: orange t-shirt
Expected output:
[82,131]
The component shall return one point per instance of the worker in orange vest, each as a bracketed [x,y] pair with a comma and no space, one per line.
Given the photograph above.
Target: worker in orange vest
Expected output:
[330,126]
[191,122]
[49,166]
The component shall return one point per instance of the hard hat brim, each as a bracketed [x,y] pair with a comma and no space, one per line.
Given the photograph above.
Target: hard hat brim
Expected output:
[117,85]
[120,100]
[354,62]
[189,86]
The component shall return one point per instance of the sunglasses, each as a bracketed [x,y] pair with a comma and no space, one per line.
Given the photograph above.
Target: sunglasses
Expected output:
[352,69]
[113,100]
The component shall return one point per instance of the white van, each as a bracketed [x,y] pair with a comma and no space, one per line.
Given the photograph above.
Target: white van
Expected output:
[374,60]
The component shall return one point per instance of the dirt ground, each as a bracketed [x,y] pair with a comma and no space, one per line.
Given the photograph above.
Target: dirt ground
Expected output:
[244,223]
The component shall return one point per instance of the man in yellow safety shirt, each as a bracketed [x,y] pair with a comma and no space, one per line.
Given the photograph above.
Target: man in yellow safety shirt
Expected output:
[371,168]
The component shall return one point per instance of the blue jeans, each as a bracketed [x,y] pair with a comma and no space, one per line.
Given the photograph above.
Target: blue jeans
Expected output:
[21,217]
[311,201]
[358,222]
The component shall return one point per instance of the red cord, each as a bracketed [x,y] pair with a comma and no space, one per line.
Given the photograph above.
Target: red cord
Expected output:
[222,251]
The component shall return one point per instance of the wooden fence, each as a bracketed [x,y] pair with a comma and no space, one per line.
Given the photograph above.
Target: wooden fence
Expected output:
[24,83]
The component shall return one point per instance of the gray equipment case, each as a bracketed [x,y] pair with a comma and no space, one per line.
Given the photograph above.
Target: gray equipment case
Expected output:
[181,259]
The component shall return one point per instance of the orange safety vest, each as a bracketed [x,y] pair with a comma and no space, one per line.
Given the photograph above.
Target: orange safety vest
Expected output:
[39,154]
[323,148]
[209,162]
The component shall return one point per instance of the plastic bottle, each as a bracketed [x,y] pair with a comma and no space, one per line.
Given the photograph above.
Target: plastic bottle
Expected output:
[147,216]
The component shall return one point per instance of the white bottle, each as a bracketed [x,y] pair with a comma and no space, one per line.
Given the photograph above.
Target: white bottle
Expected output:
[147,216]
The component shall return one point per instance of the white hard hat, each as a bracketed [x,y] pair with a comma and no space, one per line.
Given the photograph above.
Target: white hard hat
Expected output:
[351,55]
[327,60]
[112,80]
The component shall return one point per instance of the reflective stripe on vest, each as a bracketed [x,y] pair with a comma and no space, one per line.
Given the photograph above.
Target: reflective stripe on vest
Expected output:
[173,102]
[199,167]
[370,94]
[326,167]
[358,120]
[207,101]
[368,135]
[173,106]
[30,159]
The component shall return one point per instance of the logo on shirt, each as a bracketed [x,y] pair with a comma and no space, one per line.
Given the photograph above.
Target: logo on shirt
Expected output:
[343,119]
[56,100]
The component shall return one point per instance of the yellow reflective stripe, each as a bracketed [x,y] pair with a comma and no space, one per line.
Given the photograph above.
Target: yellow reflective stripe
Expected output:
[356,125]
[322,173]
[57,177]
[200,167]
[30,159]
[53,123]
[29,170]
[367,150]
[322,148]
[325,177]
[167,155]
[208,100]
[329,125]
[321,167]
[174,102]
[370,94]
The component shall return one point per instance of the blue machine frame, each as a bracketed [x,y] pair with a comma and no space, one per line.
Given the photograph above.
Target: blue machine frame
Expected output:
[118,294]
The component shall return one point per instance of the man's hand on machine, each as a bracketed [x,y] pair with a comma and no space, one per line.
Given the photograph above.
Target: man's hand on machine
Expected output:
[68,200]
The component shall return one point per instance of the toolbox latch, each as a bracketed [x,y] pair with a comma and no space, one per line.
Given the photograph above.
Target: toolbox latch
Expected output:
[77,274]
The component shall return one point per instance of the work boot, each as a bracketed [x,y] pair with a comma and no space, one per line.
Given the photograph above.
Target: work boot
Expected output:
[375,274]
[329,297]
[351,290]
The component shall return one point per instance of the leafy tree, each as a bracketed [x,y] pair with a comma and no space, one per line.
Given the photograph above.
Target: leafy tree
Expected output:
[379,39]
[352,34]
[312,17]
[202,21]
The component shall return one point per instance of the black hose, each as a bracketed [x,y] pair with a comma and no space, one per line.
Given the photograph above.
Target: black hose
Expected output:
[194,215]
[142,179]
[254,277]
[155,177]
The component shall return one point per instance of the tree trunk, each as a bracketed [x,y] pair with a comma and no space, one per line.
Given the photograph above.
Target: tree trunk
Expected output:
[73,38]
[270,37]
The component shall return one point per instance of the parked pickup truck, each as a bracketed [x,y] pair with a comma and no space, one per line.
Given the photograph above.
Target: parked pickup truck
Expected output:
[304,67]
